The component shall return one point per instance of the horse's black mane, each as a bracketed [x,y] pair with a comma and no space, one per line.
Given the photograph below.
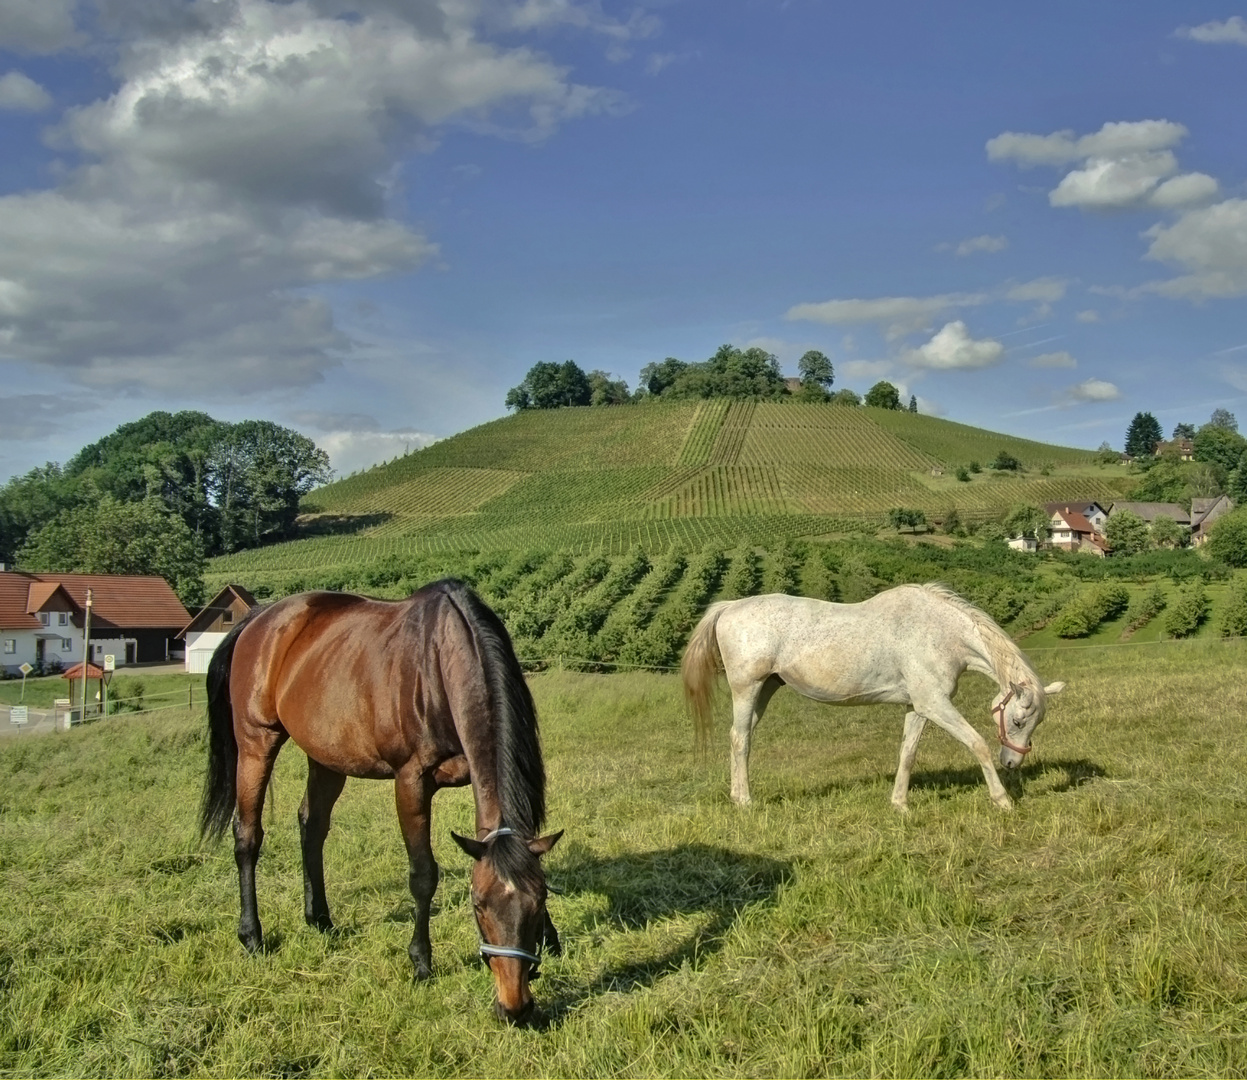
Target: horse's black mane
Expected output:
[521,773]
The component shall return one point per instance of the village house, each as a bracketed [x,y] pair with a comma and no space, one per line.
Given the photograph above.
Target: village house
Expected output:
[1077,527]
[213,623]
[1204,512]
[133,618]
[1150,511]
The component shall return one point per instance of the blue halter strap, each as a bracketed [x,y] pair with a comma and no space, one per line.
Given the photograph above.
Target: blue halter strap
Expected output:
[512,952]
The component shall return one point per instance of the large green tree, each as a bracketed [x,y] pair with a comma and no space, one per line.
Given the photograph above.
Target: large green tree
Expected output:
[1127,533]
[551,386]
[114,537]
[1219,446]
[751,374]
[1227,538]
[883,395]
[1143,435]
[817,375]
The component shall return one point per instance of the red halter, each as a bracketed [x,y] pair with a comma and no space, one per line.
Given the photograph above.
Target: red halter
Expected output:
[999,713]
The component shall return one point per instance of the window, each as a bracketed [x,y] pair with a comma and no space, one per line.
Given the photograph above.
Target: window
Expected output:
[62,618]
[227,617]
[10,645]
[67,644]
[45,618]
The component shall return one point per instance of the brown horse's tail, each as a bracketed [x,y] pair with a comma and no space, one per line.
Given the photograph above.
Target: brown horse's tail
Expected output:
[700,668]
[217,809]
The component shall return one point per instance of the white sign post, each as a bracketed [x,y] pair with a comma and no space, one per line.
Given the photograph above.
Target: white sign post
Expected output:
[110,665]
[25,669]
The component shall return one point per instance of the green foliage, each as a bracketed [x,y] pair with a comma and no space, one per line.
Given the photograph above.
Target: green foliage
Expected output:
[1167,533]
[975,467]
[657,377]
[1127,533]
[883,395]
[1005,462]
[1024,520]
[1083,614]
[113,537]
[815,370]
[1227,538]
[963,474]
[746,374]
[900,517]
[1221,447]
[846,397]
[1234,612]
[551,386]
[744,577]
[1187,612]
[1145,607]
[1143,435]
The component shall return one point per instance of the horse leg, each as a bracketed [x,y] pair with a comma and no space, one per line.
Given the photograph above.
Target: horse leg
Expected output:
[748,705]
[413,794]
[256,755]
[946,715]
[914,723]
[323,788]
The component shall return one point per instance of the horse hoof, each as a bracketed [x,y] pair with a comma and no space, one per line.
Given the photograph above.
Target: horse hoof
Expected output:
[900,807]
[422,973]
[323,923]
[253,942]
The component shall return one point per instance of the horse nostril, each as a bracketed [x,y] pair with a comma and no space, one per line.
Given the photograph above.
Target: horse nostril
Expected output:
[527,1017]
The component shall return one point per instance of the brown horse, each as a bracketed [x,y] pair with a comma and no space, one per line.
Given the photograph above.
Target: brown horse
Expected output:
[426,692]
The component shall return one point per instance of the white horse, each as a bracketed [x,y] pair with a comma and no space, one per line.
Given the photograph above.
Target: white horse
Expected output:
[908,645]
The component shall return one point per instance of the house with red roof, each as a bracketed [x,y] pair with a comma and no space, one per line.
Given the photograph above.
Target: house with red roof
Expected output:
[1072,530]
[136,619]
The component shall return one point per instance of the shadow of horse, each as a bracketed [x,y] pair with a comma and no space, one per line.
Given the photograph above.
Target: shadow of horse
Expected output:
[1071,773]
[642,888]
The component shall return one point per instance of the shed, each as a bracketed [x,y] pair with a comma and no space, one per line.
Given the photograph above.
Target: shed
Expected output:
[212,625]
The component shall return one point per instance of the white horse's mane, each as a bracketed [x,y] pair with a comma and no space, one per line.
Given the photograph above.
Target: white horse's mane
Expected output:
[1007,660]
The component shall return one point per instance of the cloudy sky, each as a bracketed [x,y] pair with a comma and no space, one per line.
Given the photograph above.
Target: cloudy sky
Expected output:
[367,219]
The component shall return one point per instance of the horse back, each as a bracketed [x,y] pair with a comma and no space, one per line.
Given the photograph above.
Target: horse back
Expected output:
[356,683]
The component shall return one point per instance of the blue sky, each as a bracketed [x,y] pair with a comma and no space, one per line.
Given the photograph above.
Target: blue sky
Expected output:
[367,219]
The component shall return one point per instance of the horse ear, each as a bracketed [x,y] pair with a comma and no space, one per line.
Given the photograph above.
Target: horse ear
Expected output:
[1054,688]
[544,844]
[471,847]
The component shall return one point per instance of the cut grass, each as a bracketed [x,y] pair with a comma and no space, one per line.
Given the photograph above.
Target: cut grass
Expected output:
[1097,930]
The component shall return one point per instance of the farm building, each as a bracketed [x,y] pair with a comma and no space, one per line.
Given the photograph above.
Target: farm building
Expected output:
[209,628]
[1204,512]
[42,616]
[1073,530]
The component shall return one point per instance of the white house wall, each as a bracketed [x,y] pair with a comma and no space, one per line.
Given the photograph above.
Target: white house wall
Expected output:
[199,649]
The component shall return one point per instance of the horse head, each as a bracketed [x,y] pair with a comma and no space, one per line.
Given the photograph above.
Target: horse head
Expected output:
[1018,711]
[509,903]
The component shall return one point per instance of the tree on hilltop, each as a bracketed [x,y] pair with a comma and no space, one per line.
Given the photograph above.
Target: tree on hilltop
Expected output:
[817,375]
[1184,431]
[551,386]
[883,395]
[745,374]
[1223,418]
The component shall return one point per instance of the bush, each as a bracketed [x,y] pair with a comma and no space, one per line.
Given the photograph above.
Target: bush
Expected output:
[1191,609]
[1234,616]
[1227,539]
[962,474]
[1145,608]
[1086,612]
[1005,462]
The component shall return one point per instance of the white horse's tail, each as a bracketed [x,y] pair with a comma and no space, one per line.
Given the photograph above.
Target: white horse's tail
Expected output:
[699,669]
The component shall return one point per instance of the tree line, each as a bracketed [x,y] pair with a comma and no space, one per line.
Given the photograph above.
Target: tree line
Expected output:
[1217,463]
[159,496]
[749,374]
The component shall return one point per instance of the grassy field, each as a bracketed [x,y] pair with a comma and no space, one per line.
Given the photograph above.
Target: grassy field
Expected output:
[1098,930]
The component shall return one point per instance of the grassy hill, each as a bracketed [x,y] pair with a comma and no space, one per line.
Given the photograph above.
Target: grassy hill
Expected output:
[600,534]
[608,479]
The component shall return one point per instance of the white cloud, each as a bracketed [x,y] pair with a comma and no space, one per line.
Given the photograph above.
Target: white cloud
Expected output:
[351,449]
[1091,390]
[1232,31]
[1125,165]
[251,152]
[1090,315]
[36,26]
[982,243]
[896,314]
[1047,290]
[953,348]
[18,91]
[1053,360]
[1210,244]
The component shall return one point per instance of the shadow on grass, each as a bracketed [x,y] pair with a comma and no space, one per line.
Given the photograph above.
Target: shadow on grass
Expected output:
[647,887]
[338,524]
[1072,773]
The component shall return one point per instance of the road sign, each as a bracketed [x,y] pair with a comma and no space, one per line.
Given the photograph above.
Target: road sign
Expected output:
[110,662]
[18,714]
[26,669]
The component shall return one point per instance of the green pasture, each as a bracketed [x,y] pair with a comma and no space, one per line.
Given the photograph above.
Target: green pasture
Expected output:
[1100,929]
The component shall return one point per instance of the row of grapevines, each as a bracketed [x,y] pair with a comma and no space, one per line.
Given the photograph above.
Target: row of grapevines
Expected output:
[732,434]
[630,618]
[703,431]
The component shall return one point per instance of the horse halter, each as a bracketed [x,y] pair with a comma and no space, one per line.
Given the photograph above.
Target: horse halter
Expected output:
[999,713]
[488,951]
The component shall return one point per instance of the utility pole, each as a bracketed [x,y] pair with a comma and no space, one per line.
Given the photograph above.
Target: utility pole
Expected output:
[86,654]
